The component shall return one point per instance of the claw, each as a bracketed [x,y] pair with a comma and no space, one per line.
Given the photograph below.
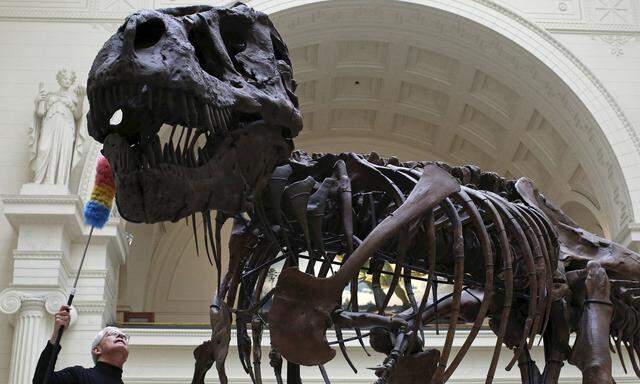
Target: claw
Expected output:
[275,361]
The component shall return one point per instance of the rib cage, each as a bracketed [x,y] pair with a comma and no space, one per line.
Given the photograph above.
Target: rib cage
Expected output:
[484,238]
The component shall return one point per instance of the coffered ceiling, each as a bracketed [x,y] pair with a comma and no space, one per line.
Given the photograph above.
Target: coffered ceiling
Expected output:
[368,86]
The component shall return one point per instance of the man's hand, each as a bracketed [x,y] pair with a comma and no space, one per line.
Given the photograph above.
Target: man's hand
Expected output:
[62,317]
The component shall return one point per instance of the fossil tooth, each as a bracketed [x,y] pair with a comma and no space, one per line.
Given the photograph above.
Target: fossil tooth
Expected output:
[187,141]
[179,143]
[206,119]
[172,154]
[166,156]
[200,157]
[217,119]
[227,114]
[178,156]
[223,120]
[173,131]
[194,140]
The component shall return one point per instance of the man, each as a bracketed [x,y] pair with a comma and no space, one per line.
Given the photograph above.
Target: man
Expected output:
[109,352]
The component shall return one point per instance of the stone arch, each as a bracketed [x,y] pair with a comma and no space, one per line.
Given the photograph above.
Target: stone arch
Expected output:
[570,99]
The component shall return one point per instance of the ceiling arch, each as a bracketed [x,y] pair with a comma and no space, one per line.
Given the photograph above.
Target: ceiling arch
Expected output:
[458,81]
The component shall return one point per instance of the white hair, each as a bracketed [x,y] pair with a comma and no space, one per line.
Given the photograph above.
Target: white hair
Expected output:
[99,338]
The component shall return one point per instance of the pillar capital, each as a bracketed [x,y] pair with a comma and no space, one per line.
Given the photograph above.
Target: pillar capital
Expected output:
[13,299]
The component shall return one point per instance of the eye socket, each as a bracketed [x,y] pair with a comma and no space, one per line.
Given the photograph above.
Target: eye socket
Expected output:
[149,33]
[207,58]
[234,30]
[280,50]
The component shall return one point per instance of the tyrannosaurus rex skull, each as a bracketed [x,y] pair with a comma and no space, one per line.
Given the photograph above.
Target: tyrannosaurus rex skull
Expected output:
[223,76]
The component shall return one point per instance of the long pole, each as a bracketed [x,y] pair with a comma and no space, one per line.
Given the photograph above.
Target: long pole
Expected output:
[72,294]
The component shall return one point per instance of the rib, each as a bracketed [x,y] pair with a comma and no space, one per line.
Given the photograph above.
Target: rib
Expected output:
[505,253]
[458,256]
[549,253]
[343,348]
[431,267]
[346,215]
[521,240]
[481,231]
[548,280]
[298,195]
[540,269]
[403,244]
[315,210]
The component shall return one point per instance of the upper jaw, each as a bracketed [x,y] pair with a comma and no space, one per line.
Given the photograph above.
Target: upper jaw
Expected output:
[168,192]
[145,108]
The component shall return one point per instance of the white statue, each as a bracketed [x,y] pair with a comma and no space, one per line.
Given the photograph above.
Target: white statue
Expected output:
[55,139]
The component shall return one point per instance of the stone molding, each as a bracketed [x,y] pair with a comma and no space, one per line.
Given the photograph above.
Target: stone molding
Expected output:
[586,19]
[44,209]
[21,254]
[88,306]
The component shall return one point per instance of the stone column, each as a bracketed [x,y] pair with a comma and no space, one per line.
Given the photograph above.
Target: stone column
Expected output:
[29,331]
[32,317]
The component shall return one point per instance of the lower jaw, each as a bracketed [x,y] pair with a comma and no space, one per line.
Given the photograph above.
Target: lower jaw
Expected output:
[169,192]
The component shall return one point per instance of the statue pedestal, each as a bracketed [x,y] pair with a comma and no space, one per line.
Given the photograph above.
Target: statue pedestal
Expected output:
[50,240]
[44,189]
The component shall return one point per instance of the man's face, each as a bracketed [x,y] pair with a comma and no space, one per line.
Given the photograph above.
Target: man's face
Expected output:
[114,344]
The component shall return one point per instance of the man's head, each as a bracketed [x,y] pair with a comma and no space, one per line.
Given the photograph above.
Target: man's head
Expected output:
[224,74]
[111,345]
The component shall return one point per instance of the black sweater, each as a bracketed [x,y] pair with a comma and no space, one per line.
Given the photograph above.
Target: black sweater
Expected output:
[102,373]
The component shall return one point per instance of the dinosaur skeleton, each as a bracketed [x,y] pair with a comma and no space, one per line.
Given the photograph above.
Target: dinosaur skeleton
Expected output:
[221,77]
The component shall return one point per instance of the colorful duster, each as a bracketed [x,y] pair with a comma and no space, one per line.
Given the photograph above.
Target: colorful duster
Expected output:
[97,210]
